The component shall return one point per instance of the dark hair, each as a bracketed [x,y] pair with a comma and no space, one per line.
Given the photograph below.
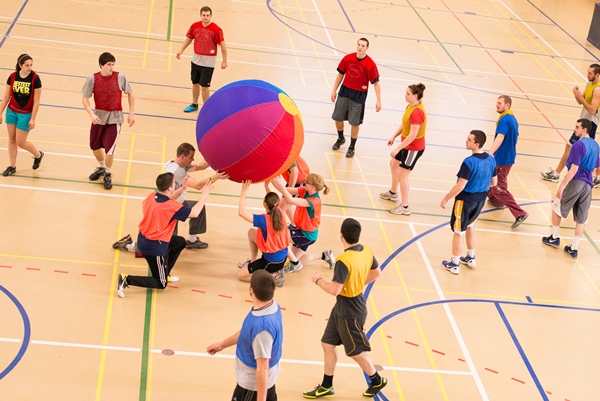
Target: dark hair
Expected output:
[585,124]
[479,137]
[417,89]
[164,181]
[272,201]
[263,285]
[184,149]
[596,68]
[351,231]
[364,39]
[21,60]
[506,99]
[206,8]
[106,57]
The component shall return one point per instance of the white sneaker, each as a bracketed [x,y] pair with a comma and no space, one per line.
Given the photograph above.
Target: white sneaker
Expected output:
[401,210]
[290,268]
[388,195]
[172,279]
[597,182]
[329,258]
[550,175]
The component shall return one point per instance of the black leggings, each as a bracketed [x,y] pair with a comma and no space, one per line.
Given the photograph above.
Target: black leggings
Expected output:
[160,266]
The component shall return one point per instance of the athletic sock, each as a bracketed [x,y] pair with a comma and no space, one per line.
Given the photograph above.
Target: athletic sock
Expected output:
[375,379]
[107,170]
[392,192]
[341,134]
[555,231]
[471,252]
[192,238]
[576,241]
[130,247]
[102,164]
[294,263]
[327,381]
[353,142]
[455,259]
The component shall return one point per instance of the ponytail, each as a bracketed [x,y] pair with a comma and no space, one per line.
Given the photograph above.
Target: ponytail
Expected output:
[272,201]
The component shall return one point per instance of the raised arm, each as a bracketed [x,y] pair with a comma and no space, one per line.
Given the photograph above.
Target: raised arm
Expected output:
[242,212]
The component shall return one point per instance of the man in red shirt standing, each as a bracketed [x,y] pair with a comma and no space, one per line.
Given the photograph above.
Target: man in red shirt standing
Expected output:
[206,35]
[106,87]
[356,70]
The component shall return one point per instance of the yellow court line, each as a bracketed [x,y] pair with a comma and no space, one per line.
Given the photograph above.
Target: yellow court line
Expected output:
[538,205]
[148,151]
[293,47]
[312,42]
[335,184]
[96,4]
[539,47]
[148,35]
[88,262]
[113,280]
[454,87]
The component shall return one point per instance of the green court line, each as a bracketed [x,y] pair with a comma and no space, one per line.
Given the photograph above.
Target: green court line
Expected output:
[436,38]
[170,20]
[591,241]
[146,344]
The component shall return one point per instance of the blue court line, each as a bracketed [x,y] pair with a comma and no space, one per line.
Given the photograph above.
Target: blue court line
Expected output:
[26,333]
[565,32]
[277,16]
[348,18]
[522,352]
[528,298]
[12,25]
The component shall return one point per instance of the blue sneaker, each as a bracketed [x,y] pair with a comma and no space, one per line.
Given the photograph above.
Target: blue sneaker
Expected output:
[571,252]
[551,241]
[450,266]
[190,108]
[468,260]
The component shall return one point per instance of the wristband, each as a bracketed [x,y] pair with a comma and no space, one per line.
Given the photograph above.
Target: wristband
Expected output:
[317,282]
[211,179]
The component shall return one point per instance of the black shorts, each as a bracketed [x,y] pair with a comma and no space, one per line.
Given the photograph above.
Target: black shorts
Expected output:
[263,264]
[408,158]
[348,332]
[241,394]
[464,213]
[592,135]
[299,240]
[202,75]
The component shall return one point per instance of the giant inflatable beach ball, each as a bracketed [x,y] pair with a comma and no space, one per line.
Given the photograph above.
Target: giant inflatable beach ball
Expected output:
[251,130]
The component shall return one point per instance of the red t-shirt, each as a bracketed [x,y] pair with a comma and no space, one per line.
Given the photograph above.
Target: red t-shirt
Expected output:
[206,38]
[358,74]
[417,117]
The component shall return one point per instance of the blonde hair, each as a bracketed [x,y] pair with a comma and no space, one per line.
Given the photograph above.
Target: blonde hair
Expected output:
[318,182]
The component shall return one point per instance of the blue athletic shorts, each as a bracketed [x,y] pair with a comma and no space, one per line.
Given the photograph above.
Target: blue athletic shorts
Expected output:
[18,119]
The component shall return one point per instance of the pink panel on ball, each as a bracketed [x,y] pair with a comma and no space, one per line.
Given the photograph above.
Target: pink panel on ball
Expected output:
[270,157]
[240,134]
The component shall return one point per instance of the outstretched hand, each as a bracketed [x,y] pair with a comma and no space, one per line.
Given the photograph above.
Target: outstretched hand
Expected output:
[246,185]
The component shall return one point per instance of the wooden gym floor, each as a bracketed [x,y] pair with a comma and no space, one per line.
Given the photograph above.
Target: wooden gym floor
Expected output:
[521,326]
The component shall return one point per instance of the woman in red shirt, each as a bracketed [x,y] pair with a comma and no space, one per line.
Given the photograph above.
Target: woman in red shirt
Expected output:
[411,148]
[22,101]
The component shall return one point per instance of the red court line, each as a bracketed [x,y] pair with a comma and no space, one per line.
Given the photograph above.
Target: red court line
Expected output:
[61,271]
[305,314]
[225,296]
[408,342]
[32,268]
[88,274]
[504,71]
[490,370]
[438,352]
[462,360]
[200,291]
[6,267]
[172,286]
[517,380]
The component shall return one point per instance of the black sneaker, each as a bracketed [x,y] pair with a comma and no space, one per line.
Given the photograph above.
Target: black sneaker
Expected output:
[350,153]
[319,392]
[107,180]
[571,252]
[519,220]
[338,143]
[10,170]
[37,161]
[374,389]
[122,243]
[99,172]
[121,285]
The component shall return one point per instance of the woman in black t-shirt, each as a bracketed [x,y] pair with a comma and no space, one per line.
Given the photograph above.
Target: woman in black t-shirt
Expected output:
[21,100]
